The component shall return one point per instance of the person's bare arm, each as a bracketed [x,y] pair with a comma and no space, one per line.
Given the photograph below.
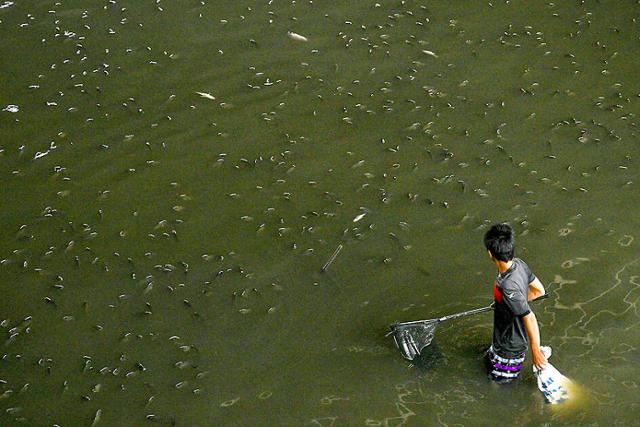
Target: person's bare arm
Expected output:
[535,290]
[531,326]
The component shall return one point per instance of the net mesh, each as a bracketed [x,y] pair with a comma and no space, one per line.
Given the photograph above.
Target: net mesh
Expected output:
[411,339]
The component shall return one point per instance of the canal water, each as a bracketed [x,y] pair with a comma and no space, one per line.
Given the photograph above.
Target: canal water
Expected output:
[174,175]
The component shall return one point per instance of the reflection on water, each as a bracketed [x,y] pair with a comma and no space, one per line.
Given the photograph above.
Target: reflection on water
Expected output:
[175,175]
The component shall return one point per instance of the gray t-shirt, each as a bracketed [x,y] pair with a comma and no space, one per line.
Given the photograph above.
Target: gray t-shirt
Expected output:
[510,292]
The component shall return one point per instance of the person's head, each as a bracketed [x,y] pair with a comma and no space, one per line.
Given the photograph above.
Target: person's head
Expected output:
[500,242]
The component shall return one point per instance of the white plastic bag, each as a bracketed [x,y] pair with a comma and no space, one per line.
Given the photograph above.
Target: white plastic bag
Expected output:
[553,385]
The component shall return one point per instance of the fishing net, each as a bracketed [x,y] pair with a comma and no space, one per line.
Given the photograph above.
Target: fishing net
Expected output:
[412,337]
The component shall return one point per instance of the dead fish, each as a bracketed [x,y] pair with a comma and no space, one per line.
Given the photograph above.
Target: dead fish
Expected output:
[359,217]
[148,288]
[229,402]
[297,37]
[430,53]
[206,95]
[96,418]
[40,154]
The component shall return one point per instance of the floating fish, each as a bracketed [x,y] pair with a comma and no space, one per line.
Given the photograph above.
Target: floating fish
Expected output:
[206,95]
[430,53]
[11,108]
[40,154]
[359,217]
[297,37]
[96,418]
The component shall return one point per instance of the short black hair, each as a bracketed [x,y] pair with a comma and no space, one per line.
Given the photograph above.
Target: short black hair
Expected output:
[500,241]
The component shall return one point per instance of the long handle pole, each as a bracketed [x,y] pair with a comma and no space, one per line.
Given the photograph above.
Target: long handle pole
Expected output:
[467,313]
[482,310]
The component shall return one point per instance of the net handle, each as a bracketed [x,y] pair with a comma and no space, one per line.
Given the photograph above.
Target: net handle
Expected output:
[458,315]
[465,313]
[481,310]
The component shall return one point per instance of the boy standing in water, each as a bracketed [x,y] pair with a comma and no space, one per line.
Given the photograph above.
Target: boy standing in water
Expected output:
[513,320]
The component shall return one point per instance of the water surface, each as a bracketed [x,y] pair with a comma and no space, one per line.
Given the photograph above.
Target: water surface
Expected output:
[165,247]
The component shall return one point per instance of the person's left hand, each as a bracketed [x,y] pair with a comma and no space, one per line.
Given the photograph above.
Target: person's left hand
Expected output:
[539,359]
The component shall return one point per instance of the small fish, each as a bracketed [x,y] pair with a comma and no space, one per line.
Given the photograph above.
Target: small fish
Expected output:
[40,154]
[430,53]
[148,288]
[96,418]
[297,37]
[359,217]
[228,403]
[206,95]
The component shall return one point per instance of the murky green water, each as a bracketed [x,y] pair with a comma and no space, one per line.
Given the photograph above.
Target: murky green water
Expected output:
[165,247]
